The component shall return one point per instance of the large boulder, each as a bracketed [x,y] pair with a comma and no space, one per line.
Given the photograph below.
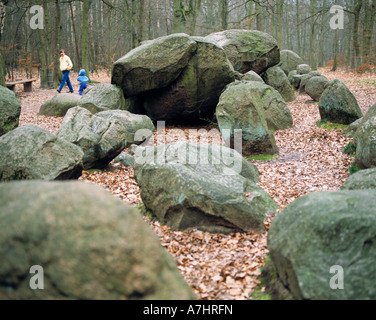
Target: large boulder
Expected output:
[353,128]
[363,179]
[337,104]
[90,245]
[248,49]
[194,95]
[278,115]
[176,78]
[315,86]
[304,78]
[321,234]
[295,79]
[30,152]
[251,76]
[59,105]
[10,110]
[153,65]
[289,61]
[102,97]
[208,187]
[276,78]
[241,107]
[303,69]
[104,135]
[366,144]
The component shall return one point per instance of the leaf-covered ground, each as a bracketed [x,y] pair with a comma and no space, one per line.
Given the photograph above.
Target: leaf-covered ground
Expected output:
[228,266]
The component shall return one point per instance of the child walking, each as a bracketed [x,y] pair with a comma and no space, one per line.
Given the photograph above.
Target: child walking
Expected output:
[83,80]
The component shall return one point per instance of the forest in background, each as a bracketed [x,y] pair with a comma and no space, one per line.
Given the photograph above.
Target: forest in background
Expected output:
[95,33]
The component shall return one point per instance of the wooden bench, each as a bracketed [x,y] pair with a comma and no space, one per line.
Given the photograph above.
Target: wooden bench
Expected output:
[28,84]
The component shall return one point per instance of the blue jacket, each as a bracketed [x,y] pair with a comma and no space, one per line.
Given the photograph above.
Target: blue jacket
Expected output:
[82,77]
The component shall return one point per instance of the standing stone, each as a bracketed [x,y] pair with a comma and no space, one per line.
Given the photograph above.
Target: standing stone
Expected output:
[337,104]
[102,97]
[29,152]
[315,86]
[195,94]
[248,49]
[276,78]
[363,179]
[354,126]
[304,78]
[365,156]
[320,231]
[59,105]
[289,61]
[238,109]
[102,136]
[10,110]
[153,65]
[252,76]
[204,186]
[303,69]
[90,245]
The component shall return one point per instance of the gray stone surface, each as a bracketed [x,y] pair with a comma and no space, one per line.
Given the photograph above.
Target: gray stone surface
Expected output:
[10,110]
[90,245]
[30,152]
[321,230]
[208,187]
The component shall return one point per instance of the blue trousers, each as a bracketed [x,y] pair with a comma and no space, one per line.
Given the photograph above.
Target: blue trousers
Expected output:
[66,80]
[82,88]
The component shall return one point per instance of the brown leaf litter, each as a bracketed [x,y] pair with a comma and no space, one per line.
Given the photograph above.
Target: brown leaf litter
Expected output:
[221,266]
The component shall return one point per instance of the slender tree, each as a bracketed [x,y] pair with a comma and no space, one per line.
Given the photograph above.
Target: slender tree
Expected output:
[2,64]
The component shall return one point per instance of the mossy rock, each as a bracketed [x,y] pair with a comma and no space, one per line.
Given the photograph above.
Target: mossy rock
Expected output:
[276,78]
[239,109]
[195,94]
[59,105]
[289,61]
[321,230]
[363,179]
[153,65]
[338,104]
[248,49]
[10,110]
[30,152]
[103,97]
[91,246]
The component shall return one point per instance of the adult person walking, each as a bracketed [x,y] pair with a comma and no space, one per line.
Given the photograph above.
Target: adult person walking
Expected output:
[66,66]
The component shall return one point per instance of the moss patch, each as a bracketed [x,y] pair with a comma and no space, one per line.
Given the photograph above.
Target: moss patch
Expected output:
[353,169]
[325,124]
[262,157]
[270,288]
[350,149]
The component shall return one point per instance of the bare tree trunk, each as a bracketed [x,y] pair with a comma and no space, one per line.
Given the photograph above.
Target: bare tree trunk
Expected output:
[258,16]
[367,32]
[140,22]
[312,43]
[75,36]
[2,62]
[357,58]
[56,46]
[224,14]
[194,7]
[85,37]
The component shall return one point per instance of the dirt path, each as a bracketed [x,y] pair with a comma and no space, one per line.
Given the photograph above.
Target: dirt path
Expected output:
[228,266]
